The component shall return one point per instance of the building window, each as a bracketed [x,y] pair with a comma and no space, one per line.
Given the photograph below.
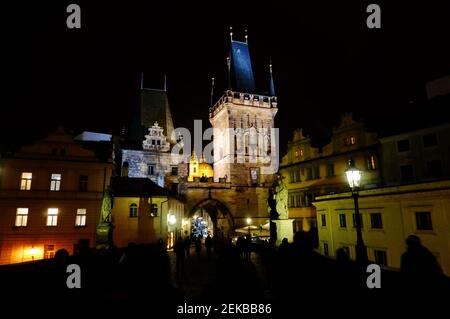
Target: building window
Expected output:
[403,145]
[25,182]
[295,176]
[325,249]
[324,220]
[80,219]
[154,210]
[291,201]
[429,140]
[83,183]
[151,170]
[133,210]
[52,217]
[342,221]
[407,173]
[297,154]
[174,170]
[330,170]
[371,163]
[195,170]
[380,257]
[298,200]
[360,220]
[316,172]
[21,217]
[434,169]
[254,176]
[375,221]
[350,140]
[423,221]
[309,173]
[49,251]
[55,182]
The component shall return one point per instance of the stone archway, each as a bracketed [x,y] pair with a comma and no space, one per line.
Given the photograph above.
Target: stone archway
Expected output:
[220,215]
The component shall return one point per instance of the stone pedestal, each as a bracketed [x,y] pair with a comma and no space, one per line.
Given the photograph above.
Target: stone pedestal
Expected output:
[104,235]
[285,229]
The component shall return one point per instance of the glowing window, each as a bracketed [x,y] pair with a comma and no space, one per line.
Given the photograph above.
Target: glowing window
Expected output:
[21,217]
[25,182]
[352,140]
[80,219]
[55,182]
[52,217]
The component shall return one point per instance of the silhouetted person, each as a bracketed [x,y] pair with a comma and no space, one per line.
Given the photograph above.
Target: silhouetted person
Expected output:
[284,246]
[198,246]
[208,245]
[179,252]
[248,247]
[419,268]
[187,245]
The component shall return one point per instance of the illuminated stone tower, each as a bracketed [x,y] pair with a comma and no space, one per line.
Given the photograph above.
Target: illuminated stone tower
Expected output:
[245,143]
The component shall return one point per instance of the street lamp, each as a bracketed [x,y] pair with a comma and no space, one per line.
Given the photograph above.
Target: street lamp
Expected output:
[353,175]
[249,221]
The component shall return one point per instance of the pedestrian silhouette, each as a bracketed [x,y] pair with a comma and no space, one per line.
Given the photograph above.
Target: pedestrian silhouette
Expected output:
[419,267]
[208,245]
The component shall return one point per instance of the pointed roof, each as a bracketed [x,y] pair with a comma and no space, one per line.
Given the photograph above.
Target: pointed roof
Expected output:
[241,67]
[271,84]
[153,107]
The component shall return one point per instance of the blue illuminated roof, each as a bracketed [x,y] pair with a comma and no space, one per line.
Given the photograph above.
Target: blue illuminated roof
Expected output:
[241,67]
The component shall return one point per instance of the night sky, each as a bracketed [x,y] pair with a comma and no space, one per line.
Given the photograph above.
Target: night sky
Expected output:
[325,61]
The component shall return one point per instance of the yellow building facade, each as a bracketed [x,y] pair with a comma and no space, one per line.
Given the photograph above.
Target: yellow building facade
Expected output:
[389,216]
[144,213]
[50,198]
[310,171]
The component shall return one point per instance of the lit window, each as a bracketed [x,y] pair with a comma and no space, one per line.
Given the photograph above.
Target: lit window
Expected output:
[371,163]
[25,182]
[80,219]
[301,152]
[49,251]
[52,217]
[352,140]
[296,154]
[21,217]
[154,210]
[55,183]
[133,210]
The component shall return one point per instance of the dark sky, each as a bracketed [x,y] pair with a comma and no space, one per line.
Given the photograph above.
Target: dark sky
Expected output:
[326,61]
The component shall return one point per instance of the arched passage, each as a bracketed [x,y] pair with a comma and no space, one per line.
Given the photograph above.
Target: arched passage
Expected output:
[223,223]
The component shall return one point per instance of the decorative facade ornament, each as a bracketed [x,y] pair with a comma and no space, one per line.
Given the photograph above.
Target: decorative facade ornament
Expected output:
[156,140]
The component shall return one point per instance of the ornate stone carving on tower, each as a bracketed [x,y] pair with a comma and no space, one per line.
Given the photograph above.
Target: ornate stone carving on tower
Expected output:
[155,140]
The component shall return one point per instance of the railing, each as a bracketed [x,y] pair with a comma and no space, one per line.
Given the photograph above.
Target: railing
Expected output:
[239,98]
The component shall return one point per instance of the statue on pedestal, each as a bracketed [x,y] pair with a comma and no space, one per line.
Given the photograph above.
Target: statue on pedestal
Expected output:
[105,227]
[281,197]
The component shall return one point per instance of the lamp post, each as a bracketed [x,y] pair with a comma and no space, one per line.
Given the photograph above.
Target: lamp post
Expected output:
[353,175]
[249,221]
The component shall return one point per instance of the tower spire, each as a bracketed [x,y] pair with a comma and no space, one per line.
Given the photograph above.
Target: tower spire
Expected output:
[212,90]
[142,80]
[246,36]
[165,83]
[272,86]
[231,33]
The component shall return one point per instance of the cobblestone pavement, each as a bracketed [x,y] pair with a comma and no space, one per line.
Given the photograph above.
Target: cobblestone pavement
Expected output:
[200,275]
